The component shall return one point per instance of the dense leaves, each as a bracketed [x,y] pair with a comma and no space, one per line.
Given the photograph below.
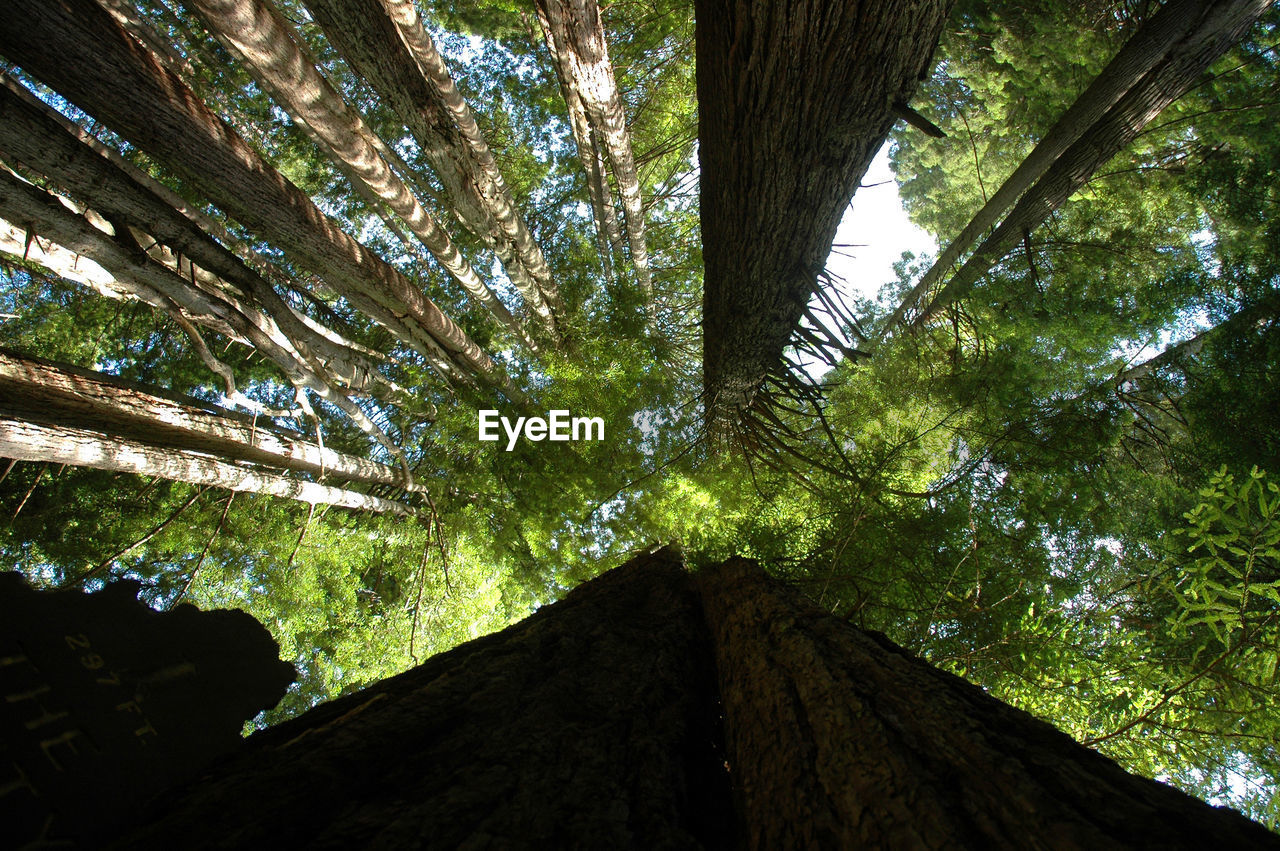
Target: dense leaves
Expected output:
[985,491]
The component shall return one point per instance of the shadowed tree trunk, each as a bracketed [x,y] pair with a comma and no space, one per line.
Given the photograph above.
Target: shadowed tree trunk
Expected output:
[594,723]
[589,724]
[794,100]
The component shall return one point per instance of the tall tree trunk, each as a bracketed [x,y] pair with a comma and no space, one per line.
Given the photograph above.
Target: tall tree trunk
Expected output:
[1264,310]
[589,724]
[136,274]
[1155,41]
[27,441]
[594,723]
[264,41]
[53,393]
[575,37]
[385,42]
[40,140]
[1221,25]
[794,99]
[838,738]
[80,51]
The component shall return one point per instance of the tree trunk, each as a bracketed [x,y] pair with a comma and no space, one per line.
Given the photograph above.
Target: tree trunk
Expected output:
[589,724]
[1265,309]
[52,393]
[595,723]
[27,441]
[384,42]
[838,738]
[135,274]
[1153,43]
[794,99]
[575,37]
[1222,25]
[44,143]
[80,51]
[256,33]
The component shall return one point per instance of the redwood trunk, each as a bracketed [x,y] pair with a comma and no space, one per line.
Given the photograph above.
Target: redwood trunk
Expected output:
[590,724]
[1164,33]
[1221,25]
[595,724]
[78,447]
[42,391]
[794,100]
[384,41]
[75,47]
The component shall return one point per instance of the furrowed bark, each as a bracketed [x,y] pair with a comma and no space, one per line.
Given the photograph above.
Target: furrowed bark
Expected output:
[1149,46]
[591,724]
[255,32]
[385,42]
[794,100]
[1222,25]
[26,441]
[77,49]
[596,722]
[838,738]
[43,391]
[575,37]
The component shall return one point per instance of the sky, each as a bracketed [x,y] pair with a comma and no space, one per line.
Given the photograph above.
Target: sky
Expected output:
[873,234]
[875,231]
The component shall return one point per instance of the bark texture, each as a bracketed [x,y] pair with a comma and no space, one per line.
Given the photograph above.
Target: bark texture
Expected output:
[55,444]
[78,49]
[1217,27]
[794,100]
[575,36]
[1149,46]
[35,137]
[385,42]
[52,393]
[589,724]
[595,723]
[263,40]
[838,738]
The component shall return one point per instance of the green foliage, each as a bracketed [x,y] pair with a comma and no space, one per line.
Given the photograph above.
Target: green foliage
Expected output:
[982,491]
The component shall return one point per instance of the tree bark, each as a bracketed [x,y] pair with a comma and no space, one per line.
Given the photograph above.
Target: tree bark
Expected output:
[27,441]
[595,723]
[135,274]
[838,738]
[385,42]
[1221,25]
[263,40]
[1152,44]
[80,51]
[40,140]
[43,391]
[590,724]
[575,37]
[794,100]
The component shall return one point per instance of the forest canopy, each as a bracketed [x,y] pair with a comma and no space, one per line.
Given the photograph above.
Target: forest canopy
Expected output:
[310,240]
